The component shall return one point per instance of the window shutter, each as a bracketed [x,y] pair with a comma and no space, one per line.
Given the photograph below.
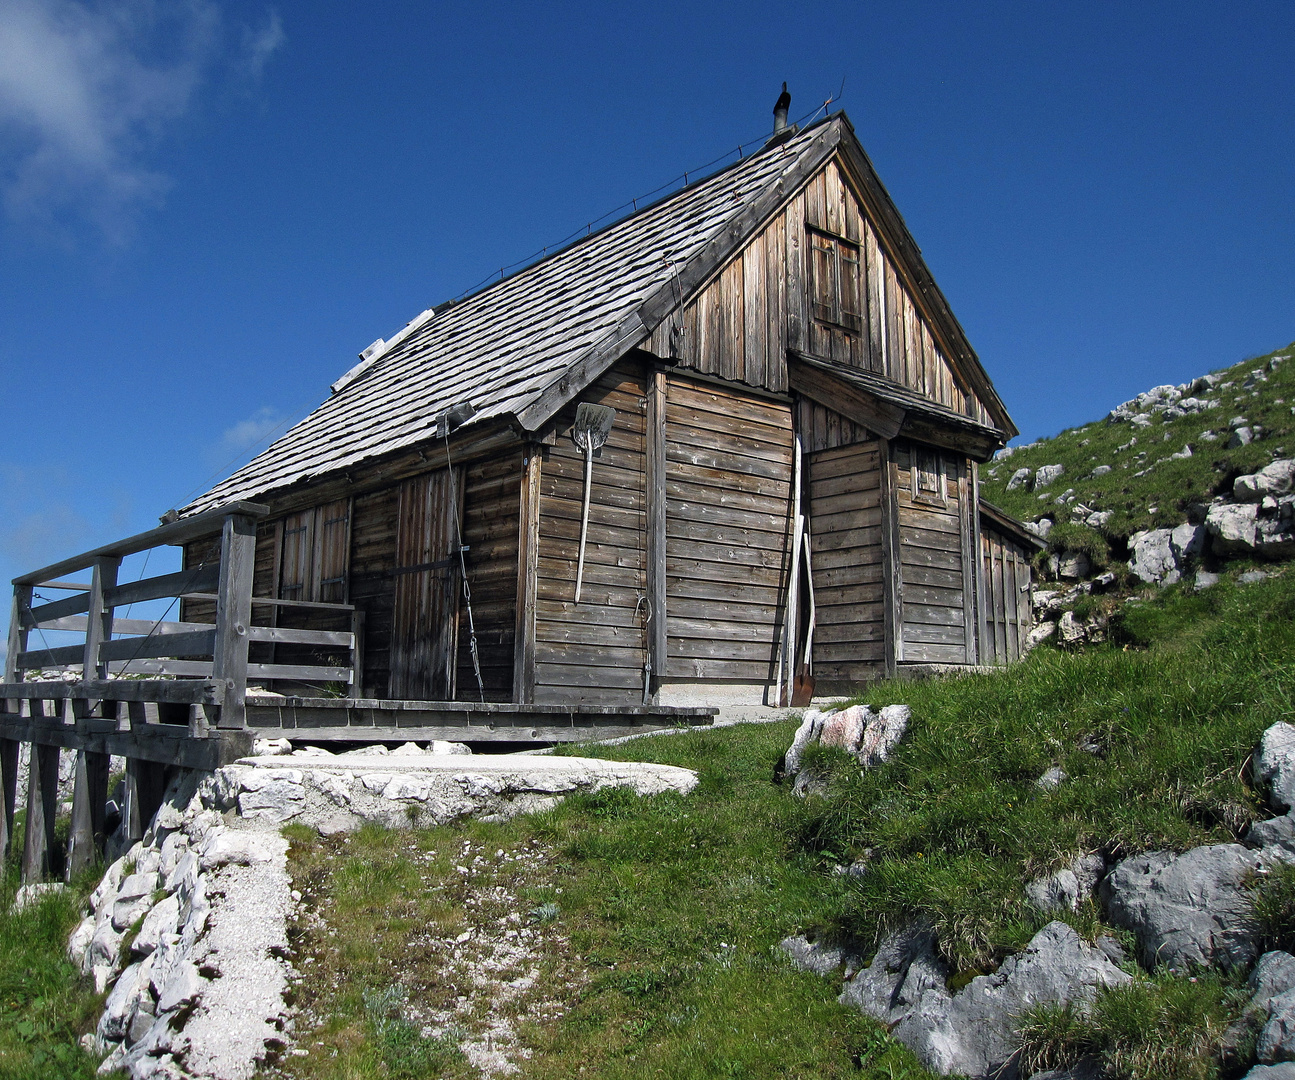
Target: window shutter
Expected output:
[851,288]
[298,548]
[824,277]
[334,548]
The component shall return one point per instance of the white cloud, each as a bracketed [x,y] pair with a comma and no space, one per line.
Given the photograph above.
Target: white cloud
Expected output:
[243,436]
[258,47]
[86,88]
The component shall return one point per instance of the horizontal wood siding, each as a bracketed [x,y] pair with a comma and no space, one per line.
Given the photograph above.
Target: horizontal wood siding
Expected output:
[845,544]
[728,491]
[491,504]
[1005,592]
[741,324]
[594,651]
[932,593]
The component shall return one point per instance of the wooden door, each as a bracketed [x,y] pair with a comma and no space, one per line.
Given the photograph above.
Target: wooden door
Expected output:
[845,541]
[424,632]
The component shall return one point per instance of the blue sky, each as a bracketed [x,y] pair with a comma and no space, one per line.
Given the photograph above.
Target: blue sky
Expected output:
[208,207]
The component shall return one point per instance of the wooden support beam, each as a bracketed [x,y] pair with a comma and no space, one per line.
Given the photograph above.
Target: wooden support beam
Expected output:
[98,625]
[528,558]
[89,807]
[8,793]
[167,744]
[978,563]
[970,557]
[191,690]
[17,637]
[863,408]
[892,627]
[234,615]
[42,803]
[145,787]
[656,526]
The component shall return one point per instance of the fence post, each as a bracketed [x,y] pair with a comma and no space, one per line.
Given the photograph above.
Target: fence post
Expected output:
[9,747]
[98,619]
[42,797]
[89,804]
[356,688]
[233,616]
[8,793]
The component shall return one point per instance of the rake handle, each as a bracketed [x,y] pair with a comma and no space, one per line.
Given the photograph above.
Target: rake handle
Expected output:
[584,516]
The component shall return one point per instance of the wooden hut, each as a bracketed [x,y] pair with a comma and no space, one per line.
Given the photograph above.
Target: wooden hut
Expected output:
[789,482]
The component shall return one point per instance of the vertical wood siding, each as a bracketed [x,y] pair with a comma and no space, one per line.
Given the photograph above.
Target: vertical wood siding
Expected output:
[742,323]
[424,621]
[845,542]
[490,511]
[933,597]
[594,651]
[373,589]
[1005,597]
[728,492]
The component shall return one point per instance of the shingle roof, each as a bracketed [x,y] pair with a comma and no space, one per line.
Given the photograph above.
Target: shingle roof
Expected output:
[503,347]
[522,347]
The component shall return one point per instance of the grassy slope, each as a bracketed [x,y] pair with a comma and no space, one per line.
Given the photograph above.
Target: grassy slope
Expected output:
[1170,487]
[670,907]
[44,1006]
[659,958]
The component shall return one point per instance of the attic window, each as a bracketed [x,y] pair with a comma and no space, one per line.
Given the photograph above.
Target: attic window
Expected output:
[928,477]
[835,281]
[315,556]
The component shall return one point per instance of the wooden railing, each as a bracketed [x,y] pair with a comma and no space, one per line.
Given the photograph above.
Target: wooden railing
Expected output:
[190,679]
[210,659]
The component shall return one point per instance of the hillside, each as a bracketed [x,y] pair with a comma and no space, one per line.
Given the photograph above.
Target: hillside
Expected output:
[614,936]
[1152,462]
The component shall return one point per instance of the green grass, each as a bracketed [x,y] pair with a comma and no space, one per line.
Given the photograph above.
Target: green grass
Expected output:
[660,917]
[1160,498]
[653,923]
[45,1006]
[1158,1027]
[656,922]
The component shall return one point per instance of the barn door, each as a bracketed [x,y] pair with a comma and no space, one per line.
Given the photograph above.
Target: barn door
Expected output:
[424,632]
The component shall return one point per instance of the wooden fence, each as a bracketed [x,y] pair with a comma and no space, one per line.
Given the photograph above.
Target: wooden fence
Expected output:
[158,693]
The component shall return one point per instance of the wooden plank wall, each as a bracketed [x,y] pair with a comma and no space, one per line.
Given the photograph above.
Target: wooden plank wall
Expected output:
[424,641]
[740,326]
[822,428]
[594,651]
[491,503]
[934,601]
[845,542]
[373,589]
[728,495]
[1005,597]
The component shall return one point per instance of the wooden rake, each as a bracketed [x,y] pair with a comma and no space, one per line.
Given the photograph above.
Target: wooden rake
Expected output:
[593,425]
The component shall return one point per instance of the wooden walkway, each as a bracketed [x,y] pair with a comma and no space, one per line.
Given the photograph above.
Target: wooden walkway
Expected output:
[173,694]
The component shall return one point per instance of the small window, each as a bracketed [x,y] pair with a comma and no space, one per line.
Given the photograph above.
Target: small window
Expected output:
[315,554]
[836,281]
[928,477]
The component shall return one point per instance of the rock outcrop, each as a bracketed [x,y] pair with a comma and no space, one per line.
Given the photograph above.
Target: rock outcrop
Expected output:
[973,1032]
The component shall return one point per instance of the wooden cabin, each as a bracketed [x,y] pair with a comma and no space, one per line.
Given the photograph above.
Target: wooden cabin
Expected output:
[789,482]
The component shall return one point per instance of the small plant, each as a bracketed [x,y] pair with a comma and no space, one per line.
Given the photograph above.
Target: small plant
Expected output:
[545,912]
[1274,907]
[407,1053]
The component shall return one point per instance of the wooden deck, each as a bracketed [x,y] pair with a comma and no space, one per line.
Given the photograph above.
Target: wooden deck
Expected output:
[176,694]
[375,720]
